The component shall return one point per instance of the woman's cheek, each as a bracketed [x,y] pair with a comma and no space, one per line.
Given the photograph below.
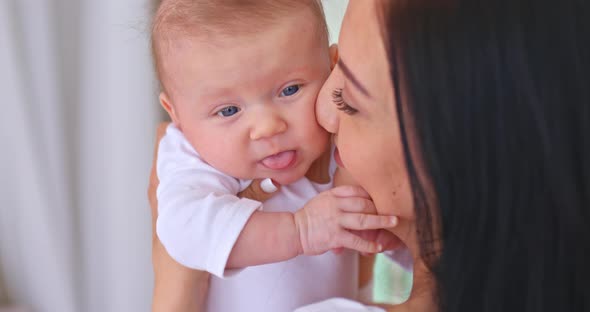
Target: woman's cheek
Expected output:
[350,149]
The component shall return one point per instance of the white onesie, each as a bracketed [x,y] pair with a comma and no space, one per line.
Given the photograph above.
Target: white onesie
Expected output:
[200,219]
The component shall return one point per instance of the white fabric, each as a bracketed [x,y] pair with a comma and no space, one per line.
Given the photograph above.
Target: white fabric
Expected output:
[200,219]
[268,186]
[338,305]
[79,110]
[199,215]
[286,285]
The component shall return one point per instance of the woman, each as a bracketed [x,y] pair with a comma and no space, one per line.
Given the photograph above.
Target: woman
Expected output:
[471,120]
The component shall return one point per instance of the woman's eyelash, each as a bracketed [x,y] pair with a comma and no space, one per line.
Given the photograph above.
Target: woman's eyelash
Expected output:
[340,104]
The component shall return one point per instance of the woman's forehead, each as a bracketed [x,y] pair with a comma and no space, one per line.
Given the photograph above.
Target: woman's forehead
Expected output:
[361,45]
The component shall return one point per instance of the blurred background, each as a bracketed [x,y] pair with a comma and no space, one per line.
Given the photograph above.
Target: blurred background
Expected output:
[77,126]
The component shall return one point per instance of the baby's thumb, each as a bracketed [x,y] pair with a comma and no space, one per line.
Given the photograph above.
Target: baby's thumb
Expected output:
[388,240]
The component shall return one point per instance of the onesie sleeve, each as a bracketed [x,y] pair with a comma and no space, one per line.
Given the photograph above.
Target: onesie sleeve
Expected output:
[199,215]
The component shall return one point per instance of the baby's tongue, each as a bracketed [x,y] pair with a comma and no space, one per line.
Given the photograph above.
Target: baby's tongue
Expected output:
[279,161]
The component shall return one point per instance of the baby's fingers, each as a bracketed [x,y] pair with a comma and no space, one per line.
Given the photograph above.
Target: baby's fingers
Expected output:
[360,221]
[349,191]
[356,204]
[354,242]
[338,250]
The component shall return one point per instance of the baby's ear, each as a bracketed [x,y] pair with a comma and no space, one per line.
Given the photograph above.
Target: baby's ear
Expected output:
[167,105]
[333,55]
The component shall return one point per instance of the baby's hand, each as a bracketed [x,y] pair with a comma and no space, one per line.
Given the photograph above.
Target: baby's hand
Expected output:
[324,222]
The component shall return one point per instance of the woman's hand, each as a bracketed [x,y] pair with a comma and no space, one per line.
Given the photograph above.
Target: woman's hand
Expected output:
[176,288]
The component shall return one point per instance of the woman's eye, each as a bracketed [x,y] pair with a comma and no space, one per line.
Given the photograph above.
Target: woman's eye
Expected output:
[341,104]
[228,111]
[290,90]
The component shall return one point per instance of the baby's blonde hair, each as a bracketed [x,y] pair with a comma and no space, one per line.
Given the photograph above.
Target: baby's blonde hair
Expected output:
[192,18]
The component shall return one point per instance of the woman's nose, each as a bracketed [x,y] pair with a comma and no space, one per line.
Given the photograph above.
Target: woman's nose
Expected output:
[266,125]
[325,110]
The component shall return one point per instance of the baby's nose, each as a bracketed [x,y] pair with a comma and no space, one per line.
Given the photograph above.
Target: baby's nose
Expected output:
[267,125]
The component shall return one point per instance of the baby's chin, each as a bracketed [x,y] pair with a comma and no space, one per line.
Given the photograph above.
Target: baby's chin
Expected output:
[287,180]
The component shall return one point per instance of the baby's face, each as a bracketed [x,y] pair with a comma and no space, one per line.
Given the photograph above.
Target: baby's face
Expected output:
[246,104]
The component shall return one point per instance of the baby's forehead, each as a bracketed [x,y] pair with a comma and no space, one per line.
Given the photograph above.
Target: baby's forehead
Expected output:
[174,36]
[264,62]
[230,18]
[225,23]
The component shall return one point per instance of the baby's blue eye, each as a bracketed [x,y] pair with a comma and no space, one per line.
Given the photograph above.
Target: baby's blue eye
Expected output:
[228,111]
[290,90]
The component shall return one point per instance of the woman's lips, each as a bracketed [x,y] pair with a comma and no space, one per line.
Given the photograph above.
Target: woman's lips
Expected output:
[279,161]
[338,159]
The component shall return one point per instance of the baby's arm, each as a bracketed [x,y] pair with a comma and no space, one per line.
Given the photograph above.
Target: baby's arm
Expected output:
[200,216]
[176,287]
[203,224]
[321,225]
[282,247]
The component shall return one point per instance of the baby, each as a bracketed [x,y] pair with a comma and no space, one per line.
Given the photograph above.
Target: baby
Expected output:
[239,81]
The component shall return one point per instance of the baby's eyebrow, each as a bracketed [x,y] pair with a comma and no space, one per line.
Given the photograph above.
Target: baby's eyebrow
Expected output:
[352,78]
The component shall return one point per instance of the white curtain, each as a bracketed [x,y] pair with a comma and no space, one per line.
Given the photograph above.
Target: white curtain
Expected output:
[78,113]
[334,10]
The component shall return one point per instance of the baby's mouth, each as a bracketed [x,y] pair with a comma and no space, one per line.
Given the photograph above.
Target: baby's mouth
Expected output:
[280,161]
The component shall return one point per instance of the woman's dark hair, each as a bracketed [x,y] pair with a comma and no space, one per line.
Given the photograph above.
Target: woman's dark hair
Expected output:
[494,94]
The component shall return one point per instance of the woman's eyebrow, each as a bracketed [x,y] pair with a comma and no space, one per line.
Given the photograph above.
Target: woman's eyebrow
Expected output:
[352,78]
